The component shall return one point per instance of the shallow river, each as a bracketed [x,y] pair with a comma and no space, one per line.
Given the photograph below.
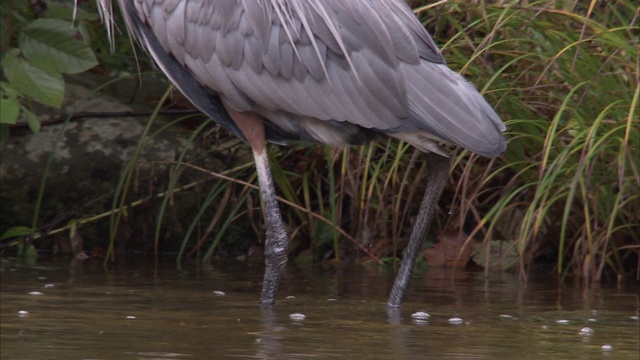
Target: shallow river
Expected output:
[149,311]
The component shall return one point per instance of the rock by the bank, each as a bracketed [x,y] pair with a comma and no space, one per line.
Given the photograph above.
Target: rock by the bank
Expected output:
[88,161]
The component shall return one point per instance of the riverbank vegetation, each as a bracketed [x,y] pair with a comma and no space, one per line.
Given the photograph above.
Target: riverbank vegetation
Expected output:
[564,75]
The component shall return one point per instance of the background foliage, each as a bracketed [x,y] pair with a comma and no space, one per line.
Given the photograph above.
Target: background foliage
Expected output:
[44,46]
[564,76]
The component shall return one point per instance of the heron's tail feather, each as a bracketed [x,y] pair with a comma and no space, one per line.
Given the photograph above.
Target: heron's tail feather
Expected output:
[443,106]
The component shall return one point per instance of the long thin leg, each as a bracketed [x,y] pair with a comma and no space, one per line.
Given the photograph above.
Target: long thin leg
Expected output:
[277,241]
[275,248]
[437,178]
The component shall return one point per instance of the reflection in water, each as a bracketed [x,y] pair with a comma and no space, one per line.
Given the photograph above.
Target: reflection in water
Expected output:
[270,342]
[153,311]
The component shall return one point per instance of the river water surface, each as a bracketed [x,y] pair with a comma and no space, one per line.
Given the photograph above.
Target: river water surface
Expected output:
[151,311]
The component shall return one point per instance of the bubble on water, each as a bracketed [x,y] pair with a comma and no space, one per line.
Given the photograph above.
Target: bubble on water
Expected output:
[219,293]
[420,315]
[607,347]
[586,331]
[592,320]
[297,316]
[455,321]
[504,316]
[636,318]
[49,286]
[23,313]
[130,317]
[36,293]
[562,321]
[290,297]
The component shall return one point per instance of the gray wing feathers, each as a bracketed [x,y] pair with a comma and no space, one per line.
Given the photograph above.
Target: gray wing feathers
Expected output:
[369,63]
[453,110]
[246,41]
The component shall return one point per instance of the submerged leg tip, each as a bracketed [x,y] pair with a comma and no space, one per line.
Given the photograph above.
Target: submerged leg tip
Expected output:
[395,300]
[268,300]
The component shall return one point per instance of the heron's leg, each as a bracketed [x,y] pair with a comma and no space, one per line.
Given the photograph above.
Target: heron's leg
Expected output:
[437,178]
[277,242]
[275,247]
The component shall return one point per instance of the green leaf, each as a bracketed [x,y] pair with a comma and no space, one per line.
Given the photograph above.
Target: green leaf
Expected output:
[31,255]
[55,45]
[16,231]
[9,107]
[45,87]
[32,121]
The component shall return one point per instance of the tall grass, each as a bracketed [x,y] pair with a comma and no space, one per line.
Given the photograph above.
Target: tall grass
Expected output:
[563,75]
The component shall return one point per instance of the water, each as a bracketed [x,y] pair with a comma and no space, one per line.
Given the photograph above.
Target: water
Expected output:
[148,311]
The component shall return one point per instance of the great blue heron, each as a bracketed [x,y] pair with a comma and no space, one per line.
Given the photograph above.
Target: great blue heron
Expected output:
[336,72]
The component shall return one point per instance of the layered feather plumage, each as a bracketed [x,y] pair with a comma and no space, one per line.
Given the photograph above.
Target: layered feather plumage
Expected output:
[330,71]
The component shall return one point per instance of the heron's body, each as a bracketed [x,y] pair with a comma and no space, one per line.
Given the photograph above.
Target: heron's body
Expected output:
[336,72]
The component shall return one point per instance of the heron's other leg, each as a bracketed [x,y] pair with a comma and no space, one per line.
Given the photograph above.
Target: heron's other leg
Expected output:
[277,242]
[438,174]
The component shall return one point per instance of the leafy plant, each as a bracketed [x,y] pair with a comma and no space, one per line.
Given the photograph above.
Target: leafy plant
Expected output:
[46,49]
